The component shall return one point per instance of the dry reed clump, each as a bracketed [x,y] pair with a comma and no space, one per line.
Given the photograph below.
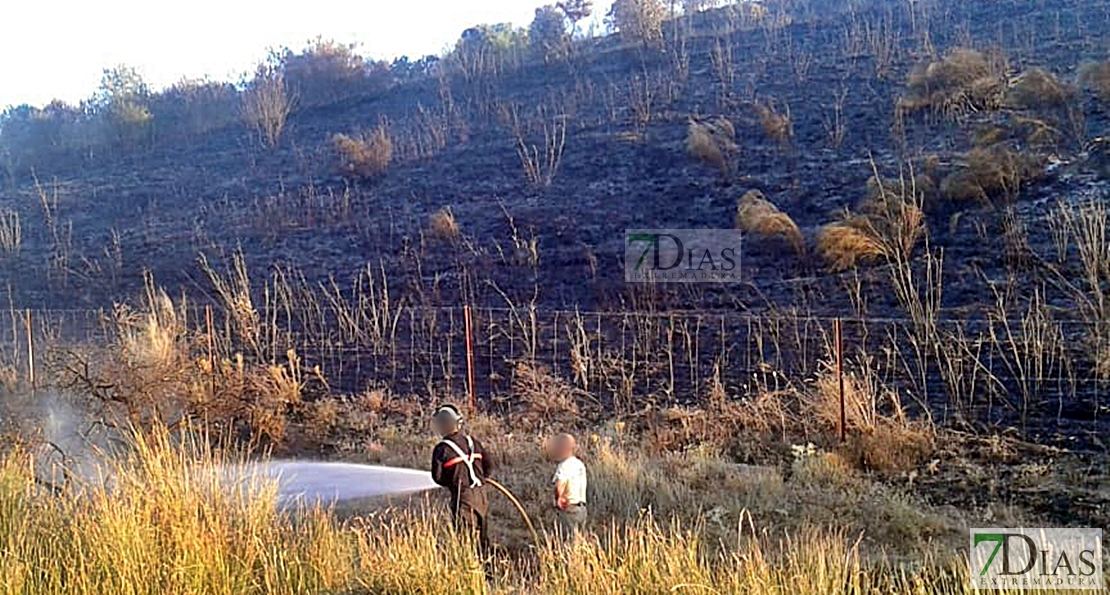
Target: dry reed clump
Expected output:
[712,141]
[364,157]
[444,226]
[920,187]
[1038,133]
[881,436]
[150,373]
[777,126]
[847,243]
[153,336]
[674,429]
[255,400]
[888,226]
[142,373]
[543,396]
[758,216]
[764,413]
[992,173]
[1029,131]
[1096,77]
[1036,89]
[891,447]
[720,423]
[962,82]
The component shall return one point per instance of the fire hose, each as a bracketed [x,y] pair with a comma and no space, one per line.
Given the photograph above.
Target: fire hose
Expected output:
[519,508]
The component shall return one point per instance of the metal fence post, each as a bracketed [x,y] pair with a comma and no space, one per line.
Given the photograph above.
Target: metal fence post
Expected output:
[839,340]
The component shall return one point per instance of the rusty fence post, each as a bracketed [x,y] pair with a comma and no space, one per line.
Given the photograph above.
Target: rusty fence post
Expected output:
[211,349]
[838,338]
[469,358]
[30,352]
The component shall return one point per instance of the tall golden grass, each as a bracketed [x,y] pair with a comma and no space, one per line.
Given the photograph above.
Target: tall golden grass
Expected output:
[164,519]
[758,216]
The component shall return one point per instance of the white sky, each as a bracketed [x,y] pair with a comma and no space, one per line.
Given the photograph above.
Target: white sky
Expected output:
[58,48]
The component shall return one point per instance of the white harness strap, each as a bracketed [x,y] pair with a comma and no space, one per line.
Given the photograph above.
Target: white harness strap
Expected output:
[467,459]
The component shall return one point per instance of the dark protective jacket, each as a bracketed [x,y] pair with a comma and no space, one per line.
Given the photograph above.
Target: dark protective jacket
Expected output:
[450,470]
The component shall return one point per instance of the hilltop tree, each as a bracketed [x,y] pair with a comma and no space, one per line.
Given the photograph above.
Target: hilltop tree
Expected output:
[485,49]
[193,106]
[267,102]
[548,33]
[638,20]
[575,11]
[326,71]
[123,99]
[405,69]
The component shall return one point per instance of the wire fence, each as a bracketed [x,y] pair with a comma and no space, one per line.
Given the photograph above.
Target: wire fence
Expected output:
[1030,369]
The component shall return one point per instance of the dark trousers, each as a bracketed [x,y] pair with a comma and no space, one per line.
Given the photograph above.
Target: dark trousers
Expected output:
[470,520]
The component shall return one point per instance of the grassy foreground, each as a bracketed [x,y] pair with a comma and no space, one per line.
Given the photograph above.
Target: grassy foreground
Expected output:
[163,520]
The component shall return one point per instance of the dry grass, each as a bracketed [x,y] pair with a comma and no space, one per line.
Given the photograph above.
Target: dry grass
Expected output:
[171,524]
[778,126]
[444,226]
[154,336]
[992,173]
[364,157]
[542,165]
[1037,89]
[11,233]
[916,189]
[713,142]
[888,227]
[234,290]
[1031,131]
[881,436]
[1096,77]
[542,397]
[758,216]
[847,243]
[155,370]
[963,81]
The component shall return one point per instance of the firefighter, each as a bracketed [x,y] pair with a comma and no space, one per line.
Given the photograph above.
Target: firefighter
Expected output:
[461,464]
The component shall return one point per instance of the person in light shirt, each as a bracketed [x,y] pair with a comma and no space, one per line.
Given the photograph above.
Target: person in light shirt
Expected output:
[569,485]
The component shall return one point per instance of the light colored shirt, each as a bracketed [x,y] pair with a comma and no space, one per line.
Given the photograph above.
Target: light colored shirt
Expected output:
[573,472]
